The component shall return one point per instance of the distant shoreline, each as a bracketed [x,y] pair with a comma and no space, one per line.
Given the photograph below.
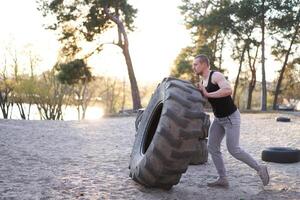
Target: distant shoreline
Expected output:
[114,115]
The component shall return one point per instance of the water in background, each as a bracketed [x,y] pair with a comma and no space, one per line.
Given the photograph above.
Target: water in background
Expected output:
[69,113]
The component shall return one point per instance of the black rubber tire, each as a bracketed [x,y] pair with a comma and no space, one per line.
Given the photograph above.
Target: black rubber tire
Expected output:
[139,118]
[281,155]
[283,119]
[205,127]
[201,154]
[167,134]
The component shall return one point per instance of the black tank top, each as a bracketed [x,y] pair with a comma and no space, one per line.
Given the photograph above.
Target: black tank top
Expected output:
[223,106]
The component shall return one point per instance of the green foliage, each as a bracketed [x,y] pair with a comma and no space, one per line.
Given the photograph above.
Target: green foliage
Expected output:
[74,72]
[81,21]
[6,103]
[291,84]
[50,96]
[285,15]
[208,16]
[78,20]
[183,64]
[24,89]
[209,23]
[219,19]
[284,24]
[205,49]
[238,25]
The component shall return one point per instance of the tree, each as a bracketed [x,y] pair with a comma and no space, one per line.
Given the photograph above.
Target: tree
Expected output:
[263,82]
[112,94]
[77,74]
[259,14]
[17,87]
[17,93]
[88,20]
[183,65]
[240,55]
[291,83]
[6,88]
[217,22]
[51,95]
[25,91]
[28,85]
[242,32]
[209,23]
[241,94]
[285,27]
[252,82]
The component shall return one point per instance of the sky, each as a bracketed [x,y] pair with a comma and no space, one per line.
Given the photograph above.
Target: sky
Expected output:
[159,36]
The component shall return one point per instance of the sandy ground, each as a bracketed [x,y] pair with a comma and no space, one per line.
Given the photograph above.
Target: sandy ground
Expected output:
[89,160]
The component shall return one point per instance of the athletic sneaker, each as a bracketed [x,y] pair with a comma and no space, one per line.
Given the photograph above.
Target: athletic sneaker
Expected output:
[221,182]
[264,175]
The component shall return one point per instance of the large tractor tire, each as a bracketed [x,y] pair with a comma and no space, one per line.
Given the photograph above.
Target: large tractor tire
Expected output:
[201,154]
[139,118]
[167,134]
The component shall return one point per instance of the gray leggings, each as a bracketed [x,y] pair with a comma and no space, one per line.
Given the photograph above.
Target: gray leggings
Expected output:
[229,126]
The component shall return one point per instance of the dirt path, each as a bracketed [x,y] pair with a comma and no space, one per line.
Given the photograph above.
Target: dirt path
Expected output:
[89,160]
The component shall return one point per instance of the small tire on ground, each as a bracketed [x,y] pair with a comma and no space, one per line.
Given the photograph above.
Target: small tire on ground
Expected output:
[167,135]
[201,154]
[281,155]
[283,119]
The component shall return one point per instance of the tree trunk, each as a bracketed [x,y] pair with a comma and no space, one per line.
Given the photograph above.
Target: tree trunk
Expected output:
[125,47]
[5,105]
[112,98]
[250,92]
[77,100]
[21,110]
[239,72]
[29,109]
[253,77]
[4,112]
[84,98]
[106,96]
[263,82]
[134,87]
[221,54]
[78,112]
[124,95]
[277,91]
[214,57]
